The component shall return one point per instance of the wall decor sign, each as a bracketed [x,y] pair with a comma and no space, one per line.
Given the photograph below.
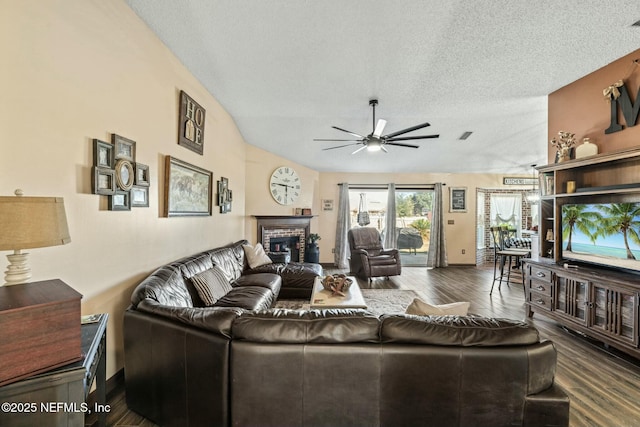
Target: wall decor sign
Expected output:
[225,196]
[519,181]
[457,199]
[327,204]
[187,189]
[191,124]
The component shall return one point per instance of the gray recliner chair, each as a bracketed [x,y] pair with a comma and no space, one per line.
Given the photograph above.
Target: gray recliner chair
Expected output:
[368,258]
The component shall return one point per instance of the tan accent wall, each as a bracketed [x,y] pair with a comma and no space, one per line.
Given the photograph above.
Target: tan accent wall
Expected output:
[75,70]
[581,108]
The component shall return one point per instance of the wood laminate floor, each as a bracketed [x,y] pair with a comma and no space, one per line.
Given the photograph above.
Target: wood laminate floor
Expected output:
[603,385]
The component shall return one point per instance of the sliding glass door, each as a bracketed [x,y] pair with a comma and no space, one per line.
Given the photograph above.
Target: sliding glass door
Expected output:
[413,218]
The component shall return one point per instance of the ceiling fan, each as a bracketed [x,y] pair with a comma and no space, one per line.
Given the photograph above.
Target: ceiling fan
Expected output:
[375,141]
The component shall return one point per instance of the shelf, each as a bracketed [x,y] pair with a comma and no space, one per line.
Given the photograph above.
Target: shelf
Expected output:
[627,154]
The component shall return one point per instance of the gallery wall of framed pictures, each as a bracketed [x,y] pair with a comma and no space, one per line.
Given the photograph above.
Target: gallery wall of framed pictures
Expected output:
[117,175]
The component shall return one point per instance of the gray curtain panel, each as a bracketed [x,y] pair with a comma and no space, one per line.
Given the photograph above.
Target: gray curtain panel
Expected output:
[390,240]
[437,243]
[341,256]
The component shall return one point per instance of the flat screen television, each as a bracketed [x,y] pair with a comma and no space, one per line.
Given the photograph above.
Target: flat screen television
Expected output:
[606,234]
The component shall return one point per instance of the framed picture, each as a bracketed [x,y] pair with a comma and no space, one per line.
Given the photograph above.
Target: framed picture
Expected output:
[142,175]
[104,181]
[124,148]
[102,154]
[457,199]
[306,211]
[224,195]
[191,124]
[298,211]
[327,205]
[187,189]
[139,196]
[124,174]
[120,201]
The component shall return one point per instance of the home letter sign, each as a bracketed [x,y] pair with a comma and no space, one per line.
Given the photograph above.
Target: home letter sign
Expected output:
[191,125]
[629,110]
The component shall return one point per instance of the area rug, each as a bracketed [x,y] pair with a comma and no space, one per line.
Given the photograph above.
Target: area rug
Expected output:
[379,301]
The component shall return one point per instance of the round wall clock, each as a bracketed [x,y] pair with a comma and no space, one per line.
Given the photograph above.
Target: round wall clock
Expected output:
[284,185]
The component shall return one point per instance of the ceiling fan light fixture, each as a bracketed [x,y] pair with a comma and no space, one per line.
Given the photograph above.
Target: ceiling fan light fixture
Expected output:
[374,145]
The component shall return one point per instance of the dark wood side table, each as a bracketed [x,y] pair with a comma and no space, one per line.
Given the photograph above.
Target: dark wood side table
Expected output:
[58,397]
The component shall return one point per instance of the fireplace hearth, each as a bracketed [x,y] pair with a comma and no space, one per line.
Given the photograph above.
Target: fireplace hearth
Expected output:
[292,231]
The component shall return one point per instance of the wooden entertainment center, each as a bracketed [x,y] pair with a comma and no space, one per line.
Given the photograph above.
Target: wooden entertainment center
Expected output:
[600,302]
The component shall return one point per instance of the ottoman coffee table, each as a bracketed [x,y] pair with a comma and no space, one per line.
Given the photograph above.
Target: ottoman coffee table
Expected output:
[322,298]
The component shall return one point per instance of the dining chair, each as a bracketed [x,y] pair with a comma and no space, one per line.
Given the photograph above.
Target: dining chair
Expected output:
[506,252]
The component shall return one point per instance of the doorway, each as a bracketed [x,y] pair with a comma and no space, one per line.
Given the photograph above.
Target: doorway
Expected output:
[414,208]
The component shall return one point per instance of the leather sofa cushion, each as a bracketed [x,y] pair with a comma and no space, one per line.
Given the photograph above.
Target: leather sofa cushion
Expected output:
[294,275]
[248,297]
[166,285]
[457,331]
[314,326]
[266,280]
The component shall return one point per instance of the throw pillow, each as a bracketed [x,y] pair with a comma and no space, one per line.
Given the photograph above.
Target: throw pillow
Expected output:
[256,256]
[421,308]
[211,285]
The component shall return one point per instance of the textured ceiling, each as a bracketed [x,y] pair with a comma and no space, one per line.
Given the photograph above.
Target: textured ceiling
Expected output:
[288,70]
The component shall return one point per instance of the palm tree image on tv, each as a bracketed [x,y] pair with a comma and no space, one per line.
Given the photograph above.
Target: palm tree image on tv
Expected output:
[604,233]
[621,218]
[578,217]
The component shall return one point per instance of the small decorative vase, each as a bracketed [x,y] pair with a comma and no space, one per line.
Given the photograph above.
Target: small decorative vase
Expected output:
[586,149]
[564,154]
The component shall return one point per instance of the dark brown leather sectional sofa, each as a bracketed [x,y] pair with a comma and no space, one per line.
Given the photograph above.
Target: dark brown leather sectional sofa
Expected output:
[221,366]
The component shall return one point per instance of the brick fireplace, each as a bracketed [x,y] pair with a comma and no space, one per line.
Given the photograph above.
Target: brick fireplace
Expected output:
[277,231]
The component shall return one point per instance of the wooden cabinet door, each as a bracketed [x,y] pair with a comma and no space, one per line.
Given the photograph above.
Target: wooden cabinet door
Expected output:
[614,312]
[571,298]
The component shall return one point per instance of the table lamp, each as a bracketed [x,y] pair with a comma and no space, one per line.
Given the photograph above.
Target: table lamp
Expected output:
[29,222]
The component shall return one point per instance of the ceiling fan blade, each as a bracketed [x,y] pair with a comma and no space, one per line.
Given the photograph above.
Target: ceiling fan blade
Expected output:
[338,140]
[359,149]
[349,132]
[402,145]
[409,138]
[383,149]
[339,146]
[407,130]
[379,128]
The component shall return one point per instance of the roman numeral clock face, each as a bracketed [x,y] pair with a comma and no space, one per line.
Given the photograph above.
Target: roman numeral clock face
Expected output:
[284,185]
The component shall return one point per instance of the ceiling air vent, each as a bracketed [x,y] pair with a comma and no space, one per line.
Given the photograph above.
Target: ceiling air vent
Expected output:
[465,135]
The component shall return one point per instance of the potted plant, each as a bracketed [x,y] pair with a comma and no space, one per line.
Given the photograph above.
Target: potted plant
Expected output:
[312,253]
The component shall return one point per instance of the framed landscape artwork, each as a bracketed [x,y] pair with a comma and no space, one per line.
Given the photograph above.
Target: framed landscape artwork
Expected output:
[188,189]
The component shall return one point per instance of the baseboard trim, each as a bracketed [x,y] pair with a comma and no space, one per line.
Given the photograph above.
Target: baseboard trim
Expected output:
[115,382]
